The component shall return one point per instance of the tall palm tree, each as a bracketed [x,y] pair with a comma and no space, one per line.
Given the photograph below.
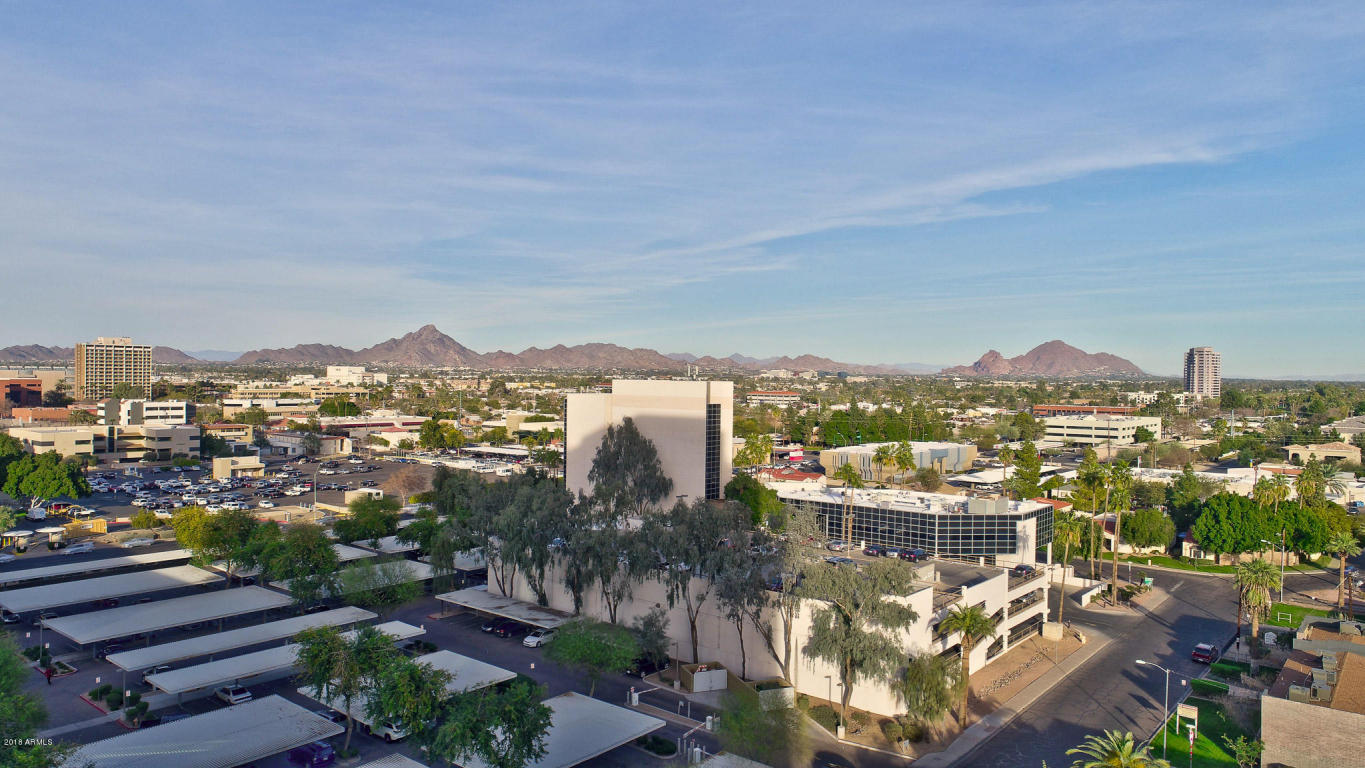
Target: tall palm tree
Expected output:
[1121,481]
[905,458]
[881,457]
[1115,749]
[849,474]
[1255,580]
[1006,455]
[1066,533]
[973,625]
[1343,545]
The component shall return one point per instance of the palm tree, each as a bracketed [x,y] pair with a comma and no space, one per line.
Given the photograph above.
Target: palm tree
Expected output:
[1006,455]
[882,457]
[1121,481]
[1115,749]
[849,474]
[974,626]
[1066,533]
[1255,580]
[1343,545]
[928,686]
[904,457]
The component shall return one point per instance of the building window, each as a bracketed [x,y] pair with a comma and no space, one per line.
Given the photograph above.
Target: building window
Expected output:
[713,451]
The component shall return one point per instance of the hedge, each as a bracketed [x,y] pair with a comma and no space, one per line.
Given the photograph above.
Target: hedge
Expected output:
[1209,687]
[825,717]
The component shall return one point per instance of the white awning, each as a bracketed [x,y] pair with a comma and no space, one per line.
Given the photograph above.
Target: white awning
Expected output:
[222,738]
[480,599]
[393,761]
[143,658]
[249,665]
[467,674]
[151,617]
[70,568]
[99,588]
[582,728]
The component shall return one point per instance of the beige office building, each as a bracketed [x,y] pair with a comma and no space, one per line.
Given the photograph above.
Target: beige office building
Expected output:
[1099,430]
[1204,372]
[110,443]
[107,361]
[689,422]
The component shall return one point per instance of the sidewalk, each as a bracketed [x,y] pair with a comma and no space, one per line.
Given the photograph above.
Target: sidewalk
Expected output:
[981,731]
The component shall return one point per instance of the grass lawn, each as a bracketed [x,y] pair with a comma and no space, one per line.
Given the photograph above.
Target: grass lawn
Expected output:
[1209,749]
[1202,566]
[1296,613]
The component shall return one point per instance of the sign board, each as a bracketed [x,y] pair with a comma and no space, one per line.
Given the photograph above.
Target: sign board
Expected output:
[1187,711]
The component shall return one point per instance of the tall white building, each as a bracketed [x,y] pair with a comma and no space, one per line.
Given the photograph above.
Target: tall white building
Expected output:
[1203,372]
[689,422]
[107,361]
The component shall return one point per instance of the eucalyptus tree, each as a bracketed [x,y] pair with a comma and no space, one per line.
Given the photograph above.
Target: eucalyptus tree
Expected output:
[342,667]
[627,468]
[857,625]
[792,555]
[928,685]
[741,590]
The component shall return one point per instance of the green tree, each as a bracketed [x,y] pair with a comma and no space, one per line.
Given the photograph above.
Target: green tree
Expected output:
[1025,484]
[849,475]
[775,736]
[904,459]
[972,625]
[761,500]
[592,647]
[1115,750]
[1147,528]
[741,590]
[1245,752]
[372,518]
[44,476]
[1006,457]
[21,714]
[1343,545]
[882,457]
[78,417]
[1030,428]
[503,726]
[431,435]
[651,635]
[1067,530]
[1255,580]
[191,531]
[857,624]
[1120,487]
[342,667]
[255,416]
[305,556]
[145,520]
[412,693]
[627,466]
[1143,435]
[1231,524]
[928,686]
[311,443]
[757,450]
[126,391]
[379,585]
[226,537]
[338,406]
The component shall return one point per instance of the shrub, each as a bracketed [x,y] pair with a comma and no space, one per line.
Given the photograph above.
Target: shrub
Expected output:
[1209,687]
[860,721]
[826,717]
[33,652]
[113,700]
[892,731]
[145,519]
[657,744]
[803,703]
[1226,671]
[912,732]
[134,699]
[99,692]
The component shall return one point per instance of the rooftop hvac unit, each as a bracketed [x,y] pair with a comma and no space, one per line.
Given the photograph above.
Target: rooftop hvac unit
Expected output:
[1321,692]
[1298,693]
[1329,662]
[1349,628]
[1324,677]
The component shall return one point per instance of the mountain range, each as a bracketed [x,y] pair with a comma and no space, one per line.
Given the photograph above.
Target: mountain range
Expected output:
[1053,359]
[429,347]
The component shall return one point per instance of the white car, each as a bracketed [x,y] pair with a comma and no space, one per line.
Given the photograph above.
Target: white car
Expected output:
[79,547]
[233,694]
[538,638]
[265,504]
[138,542]
[214,508]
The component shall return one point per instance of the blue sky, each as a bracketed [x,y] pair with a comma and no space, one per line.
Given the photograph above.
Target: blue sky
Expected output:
[871,182]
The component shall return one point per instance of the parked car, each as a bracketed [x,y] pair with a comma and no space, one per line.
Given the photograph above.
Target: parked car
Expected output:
[491,624]
[158,669]
[8,617]
[265,504]
[507,628]
[914,555]
[44,616]
[79,547]
[538,637]
[1204,653]
[314,755]
[873,550]
[233,694]
[138,542]
[891,552]
[154,719]
[106,602]
[1021,570]
[836,546]
[331,714]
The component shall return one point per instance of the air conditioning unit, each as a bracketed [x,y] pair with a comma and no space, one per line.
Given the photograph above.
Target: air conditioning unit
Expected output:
[1298,693]
[1321,692]
[1329,662]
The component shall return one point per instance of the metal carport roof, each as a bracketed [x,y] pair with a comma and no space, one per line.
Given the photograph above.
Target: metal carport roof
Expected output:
[480,599]
[250,665]
[389,545]
[207,645]
[393,761]
[345,554]
[150,617]
[88,590]
[71,568]
[582,728]
[222,738]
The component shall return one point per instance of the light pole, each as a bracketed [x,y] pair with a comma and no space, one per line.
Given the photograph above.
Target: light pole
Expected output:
[1283,557]
[1165,701]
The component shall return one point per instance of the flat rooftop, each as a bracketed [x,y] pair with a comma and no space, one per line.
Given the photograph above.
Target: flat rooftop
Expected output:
[904,501]
[223,738]
[916,445]
[101,587]
[163,614]
[71,568]
[207,645]
[582,728]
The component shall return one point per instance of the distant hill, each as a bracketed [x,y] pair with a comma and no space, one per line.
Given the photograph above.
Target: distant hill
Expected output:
[1054,359]
[36,353]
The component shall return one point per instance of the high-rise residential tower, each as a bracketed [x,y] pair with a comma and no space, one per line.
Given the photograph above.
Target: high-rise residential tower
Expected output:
[108,361]
[1203,373]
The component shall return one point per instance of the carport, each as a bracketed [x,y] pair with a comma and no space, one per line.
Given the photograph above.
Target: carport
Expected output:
[237,668]
[481,600]
[415,571]
[393,761]
[582,728]
[67,569]
[102,587]
[139,659]
[466,675]
[390,545]
[225,737]
[345,554]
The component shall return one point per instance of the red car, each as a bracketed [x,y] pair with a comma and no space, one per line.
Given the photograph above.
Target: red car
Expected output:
[1204,653]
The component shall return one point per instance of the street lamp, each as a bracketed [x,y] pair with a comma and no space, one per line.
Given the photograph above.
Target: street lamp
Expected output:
[1165,701]
[1283,558]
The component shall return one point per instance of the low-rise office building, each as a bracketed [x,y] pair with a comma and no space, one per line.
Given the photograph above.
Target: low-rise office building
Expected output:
[287,442]
[275,408]
[127,413]
[112,443]
[237,466]
[22,393]
[1100,430]
[1068,409]
[779,397]
[1300,454]
[989,531]
[944,457]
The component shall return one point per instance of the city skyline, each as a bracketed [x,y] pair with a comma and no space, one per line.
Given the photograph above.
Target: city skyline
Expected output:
[896,186]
